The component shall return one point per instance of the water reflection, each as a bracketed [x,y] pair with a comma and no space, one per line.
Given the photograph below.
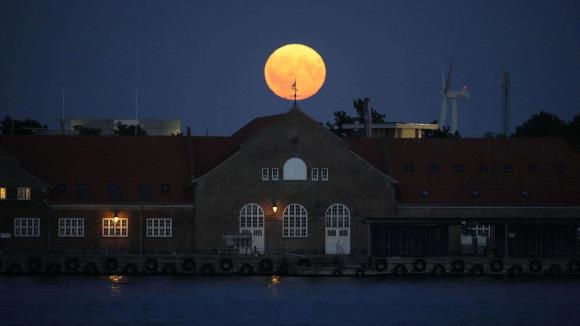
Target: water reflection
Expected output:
[116,282]
[273,285]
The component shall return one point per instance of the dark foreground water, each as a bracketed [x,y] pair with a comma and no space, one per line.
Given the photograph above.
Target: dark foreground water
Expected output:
[290,301]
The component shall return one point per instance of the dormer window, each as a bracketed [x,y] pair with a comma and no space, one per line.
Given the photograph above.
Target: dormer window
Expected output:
[294,169]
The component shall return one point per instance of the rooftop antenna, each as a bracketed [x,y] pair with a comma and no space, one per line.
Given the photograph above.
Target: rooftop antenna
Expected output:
[505,90]
[295,106]
[219,117]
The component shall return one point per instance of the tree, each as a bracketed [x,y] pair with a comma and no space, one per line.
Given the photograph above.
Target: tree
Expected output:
[341,118]
[19,127]
[543,124]
[440,133]
[87,130]
[572,130]
[129,130]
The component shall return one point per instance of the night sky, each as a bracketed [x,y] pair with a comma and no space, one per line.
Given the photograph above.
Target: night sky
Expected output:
[202,61]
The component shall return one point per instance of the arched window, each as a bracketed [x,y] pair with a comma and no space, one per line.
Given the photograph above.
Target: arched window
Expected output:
[294,169]
[295,221]
[337,216]
[251,217]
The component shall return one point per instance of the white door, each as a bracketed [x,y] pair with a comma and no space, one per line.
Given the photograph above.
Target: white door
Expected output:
[252,222]
[337,231]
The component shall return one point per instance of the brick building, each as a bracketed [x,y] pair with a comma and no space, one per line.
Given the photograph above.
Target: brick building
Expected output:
[285,184]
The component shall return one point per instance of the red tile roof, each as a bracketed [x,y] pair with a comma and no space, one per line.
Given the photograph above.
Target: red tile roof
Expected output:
[545,187]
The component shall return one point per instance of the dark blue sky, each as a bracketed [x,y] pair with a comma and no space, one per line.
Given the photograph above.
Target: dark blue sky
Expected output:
[196,56]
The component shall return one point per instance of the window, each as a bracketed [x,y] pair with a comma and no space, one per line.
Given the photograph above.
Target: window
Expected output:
[165,188]
[314,174]
[409,168]
[458,168]
[475,193]
[424,192]
[294,169]
[295,221]
[115,229]
[434,168]
[26,227]
[337,217]
[525,193]
[60,188]
[275,174]
[23,193]
[324,174]
[265,174]
[483,168]
[114,192]
[159,228]
[560,168]
[251,217]
[532,168]
[71,227]
[508,168]
[2,193]
[83,192]
[145,193]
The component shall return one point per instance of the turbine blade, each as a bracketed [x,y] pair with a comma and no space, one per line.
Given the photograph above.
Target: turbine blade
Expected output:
[443,113]
[448,82]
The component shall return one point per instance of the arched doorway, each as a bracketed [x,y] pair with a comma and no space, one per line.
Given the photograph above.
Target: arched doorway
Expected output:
[252,222]
[337,231]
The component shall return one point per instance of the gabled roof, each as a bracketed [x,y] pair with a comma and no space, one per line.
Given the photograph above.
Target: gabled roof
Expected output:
[13,175]
[254,126]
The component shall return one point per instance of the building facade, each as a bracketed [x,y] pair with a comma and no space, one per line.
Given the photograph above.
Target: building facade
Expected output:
[285,184]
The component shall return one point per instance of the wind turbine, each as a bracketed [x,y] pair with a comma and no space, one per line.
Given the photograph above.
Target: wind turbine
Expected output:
[446,93]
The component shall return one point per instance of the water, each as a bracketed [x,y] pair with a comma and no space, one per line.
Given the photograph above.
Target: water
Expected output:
[288,301]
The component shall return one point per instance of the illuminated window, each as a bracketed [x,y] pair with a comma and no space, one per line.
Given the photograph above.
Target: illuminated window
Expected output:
[337,218]
[275,174]
[324,174]
[24,193]
[265,174]
[159,228]
[314,174]
[26,227]
[112,229]
[295,221]
[294,169]
[71,227]
[2,193]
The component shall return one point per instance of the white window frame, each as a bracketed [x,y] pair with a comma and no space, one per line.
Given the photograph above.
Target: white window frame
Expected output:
[71,227]
[275,174]
[27,227]
[265,174]
[115,230]
[24,193]
[295,221]
[251,217]
[324,174]
[159,228]
[314,174]
[3,193]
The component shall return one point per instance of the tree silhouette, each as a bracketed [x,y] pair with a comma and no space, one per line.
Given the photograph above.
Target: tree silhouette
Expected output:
[19,127]
[543,124]
[129,130]
[87,131]
[341,118]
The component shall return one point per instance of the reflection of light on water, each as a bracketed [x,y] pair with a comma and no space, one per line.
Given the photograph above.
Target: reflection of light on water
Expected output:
[274,281]
[115,284]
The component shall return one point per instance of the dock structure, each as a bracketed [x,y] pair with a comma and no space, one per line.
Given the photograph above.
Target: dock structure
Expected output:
[285,191]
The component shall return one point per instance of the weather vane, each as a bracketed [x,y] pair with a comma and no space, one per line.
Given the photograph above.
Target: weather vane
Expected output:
[295,90]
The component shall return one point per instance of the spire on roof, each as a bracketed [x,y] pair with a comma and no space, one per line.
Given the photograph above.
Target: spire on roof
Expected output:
[295,104]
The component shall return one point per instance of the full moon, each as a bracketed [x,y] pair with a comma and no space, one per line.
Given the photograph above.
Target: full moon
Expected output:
[295,62]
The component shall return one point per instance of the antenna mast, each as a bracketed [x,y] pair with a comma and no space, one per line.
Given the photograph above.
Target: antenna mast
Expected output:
[295,106]
[505,90]
[62,89]
[137,80]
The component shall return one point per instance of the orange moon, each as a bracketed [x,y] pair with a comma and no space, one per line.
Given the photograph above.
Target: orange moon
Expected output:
[295,62]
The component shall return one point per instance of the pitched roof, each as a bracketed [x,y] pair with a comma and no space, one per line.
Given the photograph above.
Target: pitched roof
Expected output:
[252,127]
[535,163]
